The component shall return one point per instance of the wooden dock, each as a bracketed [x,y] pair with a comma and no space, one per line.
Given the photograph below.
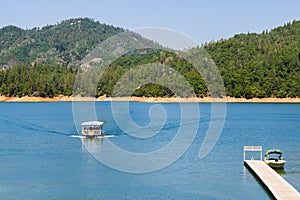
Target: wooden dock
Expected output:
[279,187]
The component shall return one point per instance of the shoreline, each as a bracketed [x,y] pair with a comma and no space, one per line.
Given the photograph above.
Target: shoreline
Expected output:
[150,99]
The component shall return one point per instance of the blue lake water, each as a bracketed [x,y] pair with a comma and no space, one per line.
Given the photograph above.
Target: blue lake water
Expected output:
[39,159]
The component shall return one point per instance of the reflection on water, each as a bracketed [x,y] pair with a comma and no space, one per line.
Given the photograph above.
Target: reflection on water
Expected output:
[92,145]
[280,171]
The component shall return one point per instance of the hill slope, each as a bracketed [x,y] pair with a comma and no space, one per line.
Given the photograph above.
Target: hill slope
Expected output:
[251,65]
[260,65]
[62,44]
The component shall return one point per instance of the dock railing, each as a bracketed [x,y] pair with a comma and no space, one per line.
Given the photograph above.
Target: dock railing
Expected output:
[252,148]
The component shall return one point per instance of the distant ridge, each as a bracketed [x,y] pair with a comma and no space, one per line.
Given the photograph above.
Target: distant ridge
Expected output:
[62,44]
[252,65]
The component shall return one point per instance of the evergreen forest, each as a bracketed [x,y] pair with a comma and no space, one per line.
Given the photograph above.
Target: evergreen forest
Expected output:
[45,62]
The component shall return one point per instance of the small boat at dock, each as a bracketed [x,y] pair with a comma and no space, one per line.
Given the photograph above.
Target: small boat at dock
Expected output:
[274,159]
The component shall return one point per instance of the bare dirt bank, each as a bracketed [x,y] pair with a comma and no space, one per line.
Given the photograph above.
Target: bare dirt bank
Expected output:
[149,99]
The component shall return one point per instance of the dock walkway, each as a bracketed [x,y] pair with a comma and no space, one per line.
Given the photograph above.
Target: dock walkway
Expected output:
[279,187]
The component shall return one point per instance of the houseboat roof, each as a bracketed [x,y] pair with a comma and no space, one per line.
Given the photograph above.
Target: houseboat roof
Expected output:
[92,123]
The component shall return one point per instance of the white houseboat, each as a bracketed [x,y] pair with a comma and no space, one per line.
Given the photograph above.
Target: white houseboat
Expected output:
[92,129]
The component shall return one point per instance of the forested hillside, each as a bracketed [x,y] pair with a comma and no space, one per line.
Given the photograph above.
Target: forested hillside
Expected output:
[64,44]
[260,65]
[45,61]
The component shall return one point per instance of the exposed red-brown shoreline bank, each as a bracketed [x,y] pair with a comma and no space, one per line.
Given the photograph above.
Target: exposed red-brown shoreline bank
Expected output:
[149,99]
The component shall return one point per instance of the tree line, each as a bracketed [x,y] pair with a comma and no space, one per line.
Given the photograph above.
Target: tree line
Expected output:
[251,65]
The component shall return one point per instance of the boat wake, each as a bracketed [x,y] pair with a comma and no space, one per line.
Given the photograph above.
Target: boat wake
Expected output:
[97,137]
[33,127]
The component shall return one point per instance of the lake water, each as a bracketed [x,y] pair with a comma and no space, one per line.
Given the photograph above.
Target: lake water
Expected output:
[39,159]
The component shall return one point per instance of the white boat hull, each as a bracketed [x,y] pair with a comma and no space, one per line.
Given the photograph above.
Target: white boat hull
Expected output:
[275,164]
[83,136]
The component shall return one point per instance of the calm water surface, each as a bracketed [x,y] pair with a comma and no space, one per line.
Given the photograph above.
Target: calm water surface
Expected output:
[39,159]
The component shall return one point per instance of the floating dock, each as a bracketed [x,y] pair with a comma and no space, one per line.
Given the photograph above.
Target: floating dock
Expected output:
[279,187]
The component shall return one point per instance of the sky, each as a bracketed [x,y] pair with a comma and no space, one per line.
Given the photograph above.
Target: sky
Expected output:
[201,20]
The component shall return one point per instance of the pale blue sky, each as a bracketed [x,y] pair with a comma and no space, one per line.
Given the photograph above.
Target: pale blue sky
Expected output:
[201,20]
